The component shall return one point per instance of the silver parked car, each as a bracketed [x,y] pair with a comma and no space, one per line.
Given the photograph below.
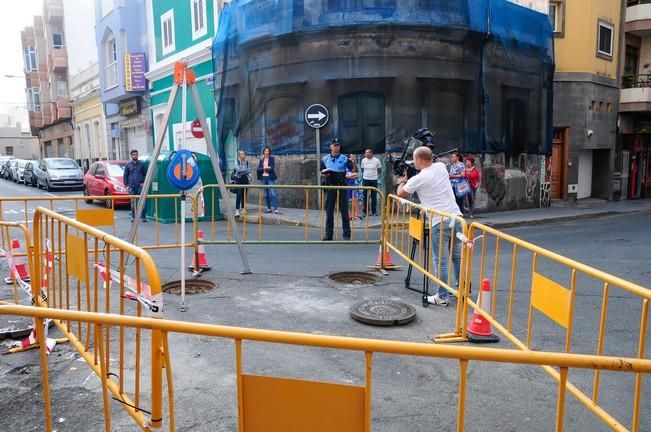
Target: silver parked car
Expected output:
[59,173]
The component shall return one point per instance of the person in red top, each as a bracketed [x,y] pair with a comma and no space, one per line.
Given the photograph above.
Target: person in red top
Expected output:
[472,174]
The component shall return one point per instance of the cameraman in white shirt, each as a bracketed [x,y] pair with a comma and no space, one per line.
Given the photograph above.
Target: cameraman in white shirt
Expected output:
[432,184]
[371,170]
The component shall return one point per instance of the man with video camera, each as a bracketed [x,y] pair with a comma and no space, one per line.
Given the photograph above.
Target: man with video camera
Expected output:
[432,184]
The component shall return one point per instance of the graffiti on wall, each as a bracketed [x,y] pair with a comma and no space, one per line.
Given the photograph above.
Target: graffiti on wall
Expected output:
[495,184]
[545,181]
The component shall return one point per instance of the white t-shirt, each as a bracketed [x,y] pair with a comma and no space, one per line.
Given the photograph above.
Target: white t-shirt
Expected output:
[370,168]
[434,190]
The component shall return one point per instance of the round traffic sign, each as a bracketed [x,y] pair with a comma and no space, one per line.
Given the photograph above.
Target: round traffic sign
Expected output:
[197,130]
[316,116]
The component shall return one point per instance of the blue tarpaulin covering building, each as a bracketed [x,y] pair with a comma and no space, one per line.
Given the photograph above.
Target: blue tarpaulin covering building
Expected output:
[477,72]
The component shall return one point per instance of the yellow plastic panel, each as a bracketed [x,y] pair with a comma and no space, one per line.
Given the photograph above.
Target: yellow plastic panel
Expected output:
[551,299]
[287,405]
[77,257]
[416,228]
[96,217]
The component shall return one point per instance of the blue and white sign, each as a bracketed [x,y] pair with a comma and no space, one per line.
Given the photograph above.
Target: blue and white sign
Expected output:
[317,116]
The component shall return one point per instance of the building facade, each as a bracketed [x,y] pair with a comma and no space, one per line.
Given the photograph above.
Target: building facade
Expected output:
[635,103]
[14,142]
[477,73]
[181,30]
[46,72]
[89,123]
[121,36]
[586,97]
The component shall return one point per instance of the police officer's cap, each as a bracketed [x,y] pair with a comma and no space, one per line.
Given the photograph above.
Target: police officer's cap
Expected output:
[335,141]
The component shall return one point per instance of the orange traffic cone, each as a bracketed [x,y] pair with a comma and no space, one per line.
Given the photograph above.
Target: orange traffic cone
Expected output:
[479,330]
[388,264]
[203,259]
[17,268]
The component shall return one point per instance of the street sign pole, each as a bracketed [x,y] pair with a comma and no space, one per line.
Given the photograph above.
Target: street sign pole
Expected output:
[318,157]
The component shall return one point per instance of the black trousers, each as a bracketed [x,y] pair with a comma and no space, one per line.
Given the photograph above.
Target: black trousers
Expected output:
[330,202]
[372,183]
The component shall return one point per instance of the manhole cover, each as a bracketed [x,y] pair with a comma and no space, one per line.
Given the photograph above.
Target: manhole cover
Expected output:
[191,287]
[382,312]
[354,278]
[17,327]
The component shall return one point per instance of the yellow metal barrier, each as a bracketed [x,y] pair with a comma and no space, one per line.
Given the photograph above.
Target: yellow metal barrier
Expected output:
[270,403]
[310,219]
[91,276]
[82,209]
[409,229]
[554,283]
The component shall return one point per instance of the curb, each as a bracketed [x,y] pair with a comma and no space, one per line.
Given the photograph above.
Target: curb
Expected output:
[551,220]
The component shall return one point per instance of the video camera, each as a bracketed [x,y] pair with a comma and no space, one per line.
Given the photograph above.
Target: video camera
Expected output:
[405,163]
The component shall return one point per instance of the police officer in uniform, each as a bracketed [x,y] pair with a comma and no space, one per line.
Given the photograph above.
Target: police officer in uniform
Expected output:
[333,170]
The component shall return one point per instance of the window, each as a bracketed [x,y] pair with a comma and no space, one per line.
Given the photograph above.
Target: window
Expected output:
[605,40]
[9,150]
[556,16]
[100,170]
[34,99]
[111,63]
[31,65]
[167,31]
[62,89]
[515,126]
[57,40]
[632,60]
[198,14]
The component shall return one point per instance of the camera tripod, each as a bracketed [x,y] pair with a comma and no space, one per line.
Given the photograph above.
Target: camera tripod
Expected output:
[412,254]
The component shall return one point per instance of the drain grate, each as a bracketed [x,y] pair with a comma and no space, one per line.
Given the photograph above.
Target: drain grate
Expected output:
[191,287]
[354,278]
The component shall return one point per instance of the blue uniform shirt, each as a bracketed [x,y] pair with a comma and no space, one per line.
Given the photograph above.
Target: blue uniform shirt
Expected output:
[338,165]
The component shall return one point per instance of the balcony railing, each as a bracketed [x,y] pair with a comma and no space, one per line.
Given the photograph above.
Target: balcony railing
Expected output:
[636,81]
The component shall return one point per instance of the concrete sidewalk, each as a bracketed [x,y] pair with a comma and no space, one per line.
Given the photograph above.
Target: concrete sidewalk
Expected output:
[560,211]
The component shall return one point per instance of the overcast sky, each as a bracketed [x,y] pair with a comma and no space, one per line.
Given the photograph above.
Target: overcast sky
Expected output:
[81,45]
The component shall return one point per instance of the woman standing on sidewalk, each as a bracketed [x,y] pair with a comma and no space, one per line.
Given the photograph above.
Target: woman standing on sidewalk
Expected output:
[473,176]
[267,175]
[241,176]
[351,180]
[456,175]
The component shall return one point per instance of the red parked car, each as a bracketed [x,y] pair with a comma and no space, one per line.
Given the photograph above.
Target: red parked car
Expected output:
[105,178]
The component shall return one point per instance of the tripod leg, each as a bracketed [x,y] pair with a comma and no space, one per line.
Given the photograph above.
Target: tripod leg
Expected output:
[410,268]
[426,280]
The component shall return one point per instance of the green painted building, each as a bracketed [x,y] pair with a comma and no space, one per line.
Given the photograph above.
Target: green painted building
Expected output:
[181,29]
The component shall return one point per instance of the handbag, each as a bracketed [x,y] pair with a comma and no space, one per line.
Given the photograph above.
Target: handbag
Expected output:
[462,188]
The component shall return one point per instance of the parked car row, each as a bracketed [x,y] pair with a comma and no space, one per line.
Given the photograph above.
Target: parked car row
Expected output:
[104,178]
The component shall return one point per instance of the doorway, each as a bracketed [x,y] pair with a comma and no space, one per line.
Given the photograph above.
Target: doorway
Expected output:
[362,122]
[559,164]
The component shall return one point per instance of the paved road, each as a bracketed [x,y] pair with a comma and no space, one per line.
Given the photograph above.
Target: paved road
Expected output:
[288,291]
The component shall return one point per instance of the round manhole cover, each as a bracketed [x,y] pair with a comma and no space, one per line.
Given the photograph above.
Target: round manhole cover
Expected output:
[382,312]
[354,278]
[191,287]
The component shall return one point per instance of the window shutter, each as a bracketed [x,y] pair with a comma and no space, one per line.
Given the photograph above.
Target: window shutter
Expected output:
[195,11]
[200,10]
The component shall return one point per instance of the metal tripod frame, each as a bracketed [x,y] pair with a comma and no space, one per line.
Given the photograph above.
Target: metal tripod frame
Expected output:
[185,76]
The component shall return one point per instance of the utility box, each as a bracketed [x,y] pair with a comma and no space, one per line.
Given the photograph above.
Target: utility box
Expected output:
[168,210]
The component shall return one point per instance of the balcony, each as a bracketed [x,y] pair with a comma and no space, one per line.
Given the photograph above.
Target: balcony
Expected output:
[54,11]
[636,93]
[638,17]
[64,110]
[58,60]
[48,114]
[36,120]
